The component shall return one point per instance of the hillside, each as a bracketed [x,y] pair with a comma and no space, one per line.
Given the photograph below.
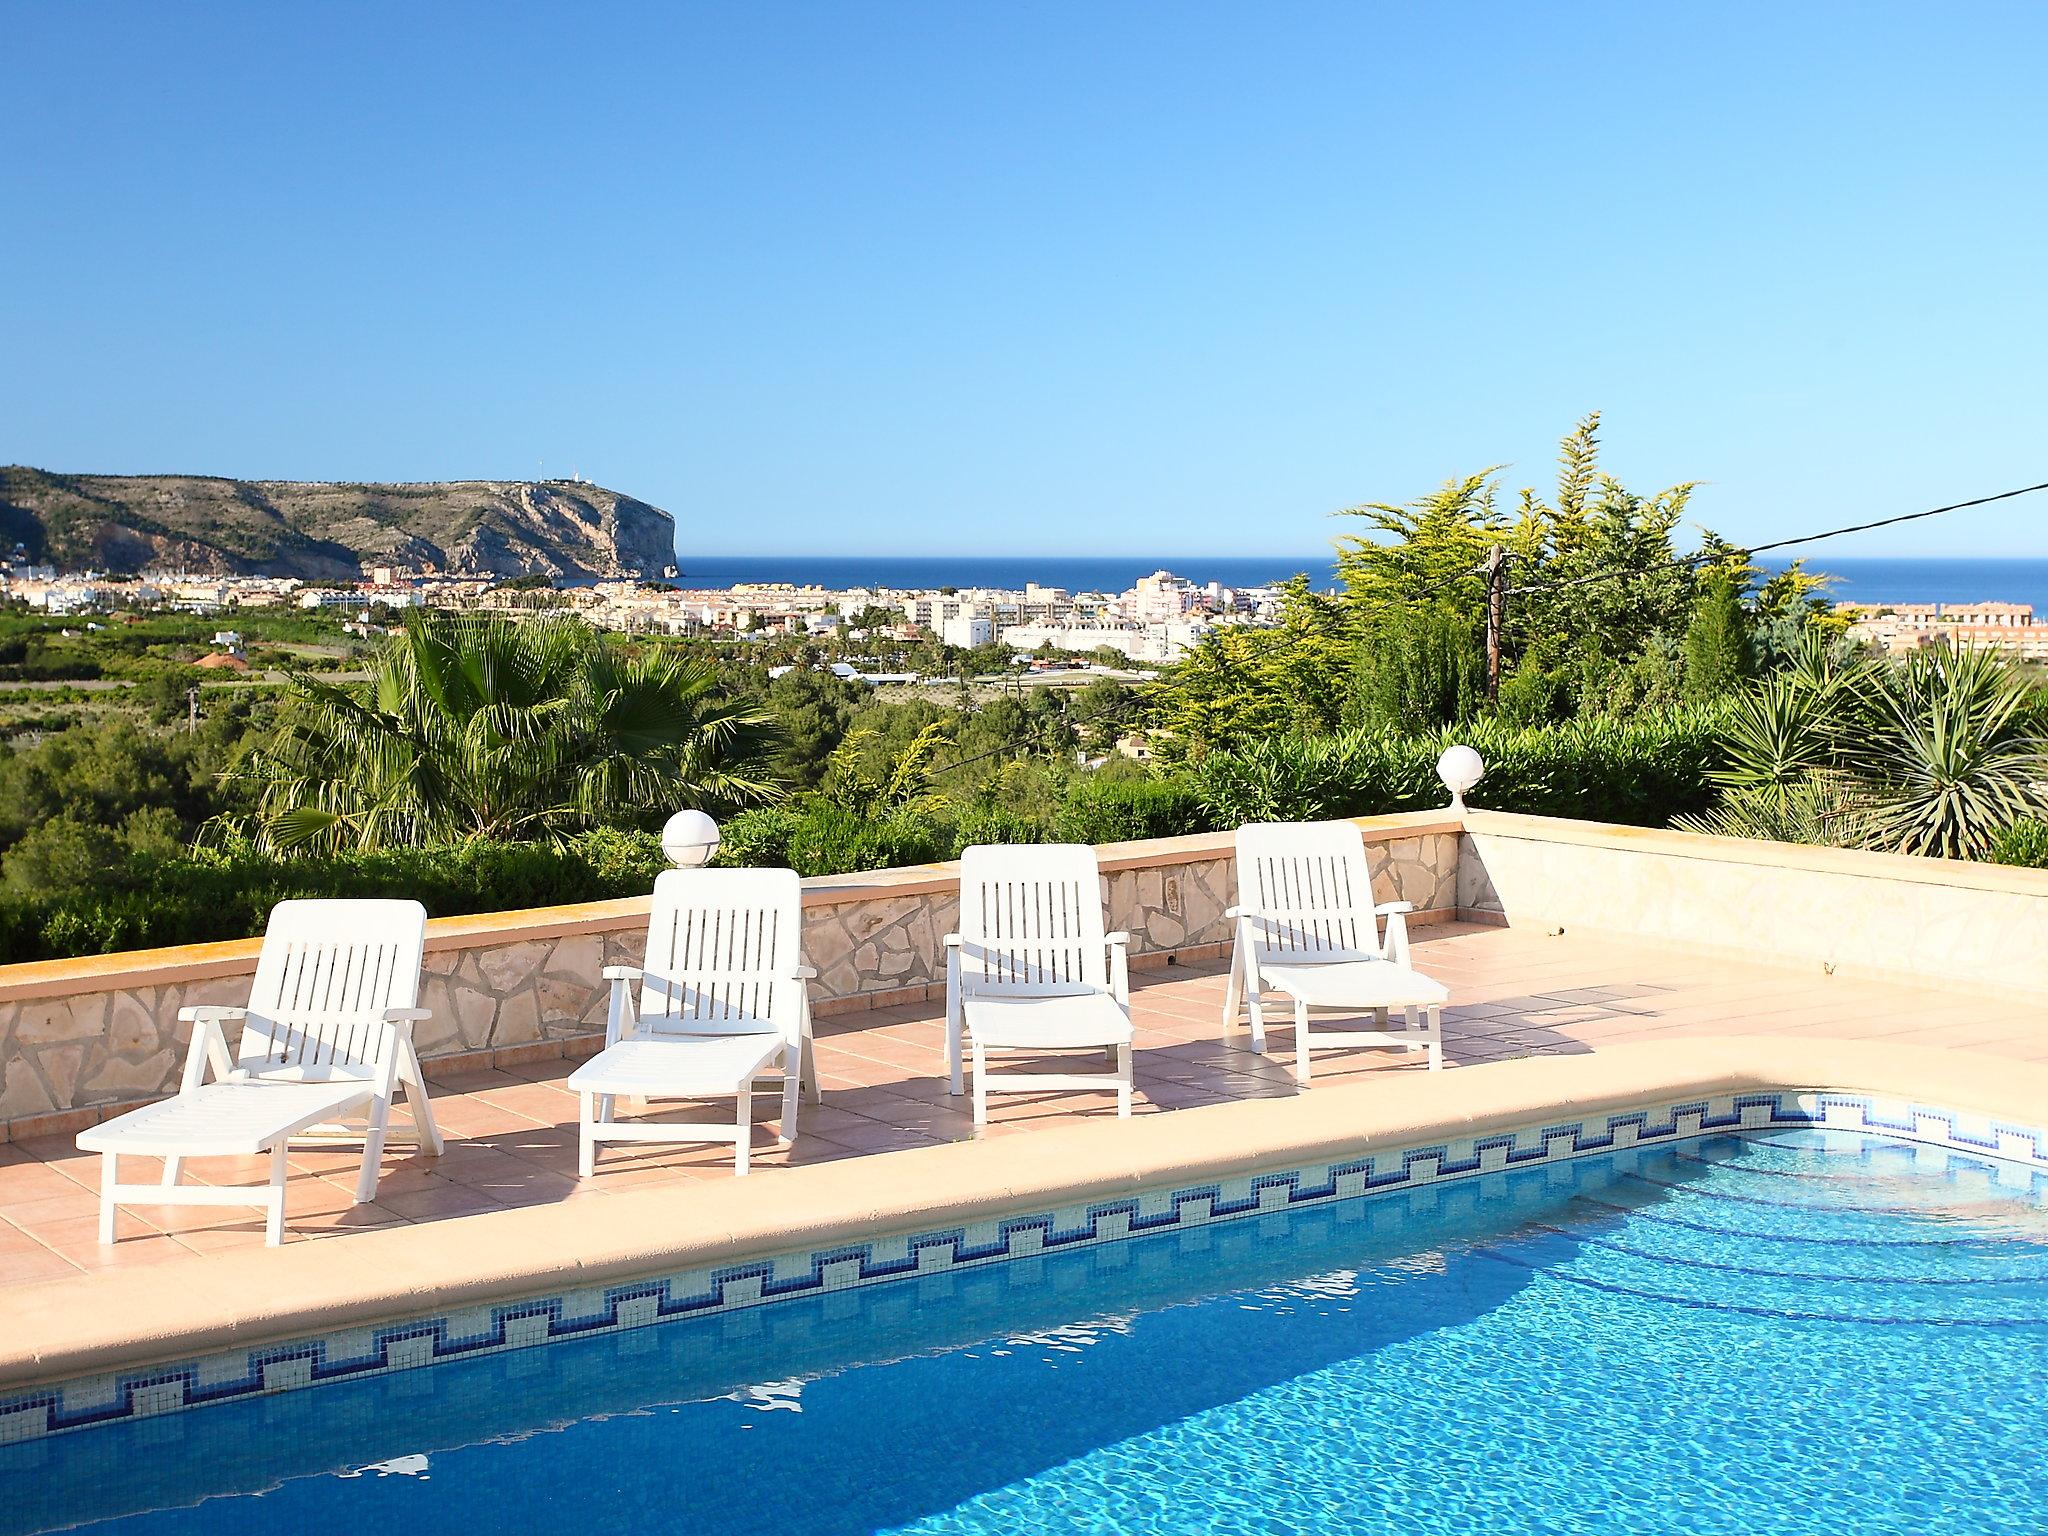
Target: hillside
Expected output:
[319,530]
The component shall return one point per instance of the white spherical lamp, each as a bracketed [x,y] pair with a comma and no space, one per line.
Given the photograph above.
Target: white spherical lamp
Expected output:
[1460,768]
[689,838]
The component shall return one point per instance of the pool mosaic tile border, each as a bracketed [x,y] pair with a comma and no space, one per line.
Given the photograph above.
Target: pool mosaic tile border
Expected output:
[463,1333]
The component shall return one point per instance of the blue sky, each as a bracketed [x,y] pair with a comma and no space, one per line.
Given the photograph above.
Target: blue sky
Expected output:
[999,278]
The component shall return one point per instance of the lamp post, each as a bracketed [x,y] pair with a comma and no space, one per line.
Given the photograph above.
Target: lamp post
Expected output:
[690,839]
[1460,768]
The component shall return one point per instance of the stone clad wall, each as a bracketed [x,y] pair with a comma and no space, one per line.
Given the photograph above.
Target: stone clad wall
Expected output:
[76,1036]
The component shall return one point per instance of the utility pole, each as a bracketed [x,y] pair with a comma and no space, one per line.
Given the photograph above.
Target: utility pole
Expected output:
[1496,616]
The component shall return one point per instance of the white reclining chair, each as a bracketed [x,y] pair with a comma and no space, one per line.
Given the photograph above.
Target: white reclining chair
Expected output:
[1307,927]
[326,1034]
[723,1001]
[1031,970]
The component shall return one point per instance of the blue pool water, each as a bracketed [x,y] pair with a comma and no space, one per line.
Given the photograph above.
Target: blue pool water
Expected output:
[1791,1332]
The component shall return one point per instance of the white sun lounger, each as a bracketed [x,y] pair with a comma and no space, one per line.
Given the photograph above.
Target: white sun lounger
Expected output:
[1031,970]
[326,1034]
[1307,927]
[724,1001]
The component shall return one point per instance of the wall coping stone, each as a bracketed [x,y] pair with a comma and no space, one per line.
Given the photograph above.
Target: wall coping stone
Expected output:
[1911,869]
[128,969]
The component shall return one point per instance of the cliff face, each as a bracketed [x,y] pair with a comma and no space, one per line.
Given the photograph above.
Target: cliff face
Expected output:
[320,531]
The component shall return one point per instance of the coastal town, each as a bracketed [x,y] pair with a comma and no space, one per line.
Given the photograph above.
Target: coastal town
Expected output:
[1156,621]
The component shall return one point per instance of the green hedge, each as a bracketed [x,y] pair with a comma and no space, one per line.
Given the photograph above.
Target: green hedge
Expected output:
[1643,771]
[814,836]
[228,895]
[1123,810]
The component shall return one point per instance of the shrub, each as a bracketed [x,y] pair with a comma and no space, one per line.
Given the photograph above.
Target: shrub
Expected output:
[1642,771]
[817,837]
[150,900]
[1099,810]
[2024,843]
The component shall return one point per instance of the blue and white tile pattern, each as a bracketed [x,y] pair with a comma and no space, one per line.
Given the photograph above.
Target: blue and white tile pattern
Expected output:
[459,1334]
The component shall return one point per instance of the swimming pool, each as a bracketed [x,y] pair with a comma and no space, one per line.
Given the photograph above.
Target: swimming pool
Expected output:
[1774,1332]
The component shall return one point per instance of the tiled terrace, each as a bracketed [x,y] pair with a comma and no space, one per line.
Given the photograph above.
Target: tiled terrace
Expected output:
[512,1134]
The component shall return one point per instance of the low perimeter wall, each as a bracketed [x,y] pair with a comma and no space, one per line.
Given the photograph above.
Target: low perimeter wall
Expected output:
[81,1037]
[1936,922]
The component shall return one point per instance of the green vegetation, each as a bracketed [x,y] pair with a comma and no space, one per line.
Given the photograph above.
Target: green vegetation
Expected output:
[144,900]
[2024,843]
[1940,756]
[490,764]
[1644,770]
[495,729]
[1602,618]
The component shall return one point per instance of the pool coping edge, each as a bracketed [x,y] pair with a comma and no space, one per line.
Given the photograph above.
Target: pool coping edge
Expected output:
[124,1322]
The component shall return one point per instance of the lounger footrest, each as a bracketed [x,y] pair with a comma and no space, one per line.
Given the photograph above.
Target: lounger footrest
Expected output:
[683,1067]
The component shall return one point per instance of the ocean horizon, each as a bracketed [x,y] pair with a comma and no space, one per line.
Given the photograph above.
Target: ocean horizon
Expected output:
[1893,580]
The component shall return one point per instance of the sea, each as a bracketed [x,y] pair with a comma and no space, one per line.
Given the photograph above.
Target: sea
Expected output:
[1950,580]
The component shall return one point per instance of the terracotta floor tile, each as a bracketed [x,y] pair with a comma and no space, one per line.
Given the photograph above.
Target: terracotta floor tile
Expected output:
[443,1197]
[512,1133]
[80,1238]
[23,1266]
[26,1181]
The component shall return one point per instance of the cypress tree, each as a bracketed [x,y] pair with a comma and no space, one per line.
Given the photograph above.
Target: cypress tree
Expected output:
[1718,654]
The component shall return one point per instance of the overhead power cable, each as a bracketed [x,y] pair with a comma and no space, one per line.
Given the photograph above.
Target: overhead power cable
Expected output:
[1708,557]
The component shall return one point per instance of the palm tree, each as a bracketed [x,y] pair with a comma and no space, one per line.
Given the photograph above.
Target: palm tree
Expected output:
[489,728]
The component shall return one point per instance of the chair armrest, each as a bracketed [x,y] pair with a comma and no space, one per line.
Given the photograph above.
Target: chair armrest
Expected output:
[618,1016]
[1118,939]
[804,973]
[1233,912]
[209,1046]
[210,1013]
[1394,946]
[954,941]
[407,1015]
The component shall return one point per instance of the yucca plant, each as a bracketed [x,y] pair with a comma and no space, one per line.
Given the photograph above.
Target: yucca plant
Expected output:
[486,728]
[1824,812]
[1951,763]
[1934,756]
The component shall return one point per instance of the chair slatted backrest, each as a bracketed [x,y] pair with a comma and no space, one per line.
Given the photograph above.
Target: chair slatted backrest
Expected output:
[1306,889]
[327,972]
[723,947]
[1031,920]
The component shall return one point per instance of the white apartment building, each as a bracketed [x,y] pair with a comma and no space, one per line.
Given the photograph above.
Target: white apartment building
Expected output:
[1140,642]
[1160,598]
[968,629]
